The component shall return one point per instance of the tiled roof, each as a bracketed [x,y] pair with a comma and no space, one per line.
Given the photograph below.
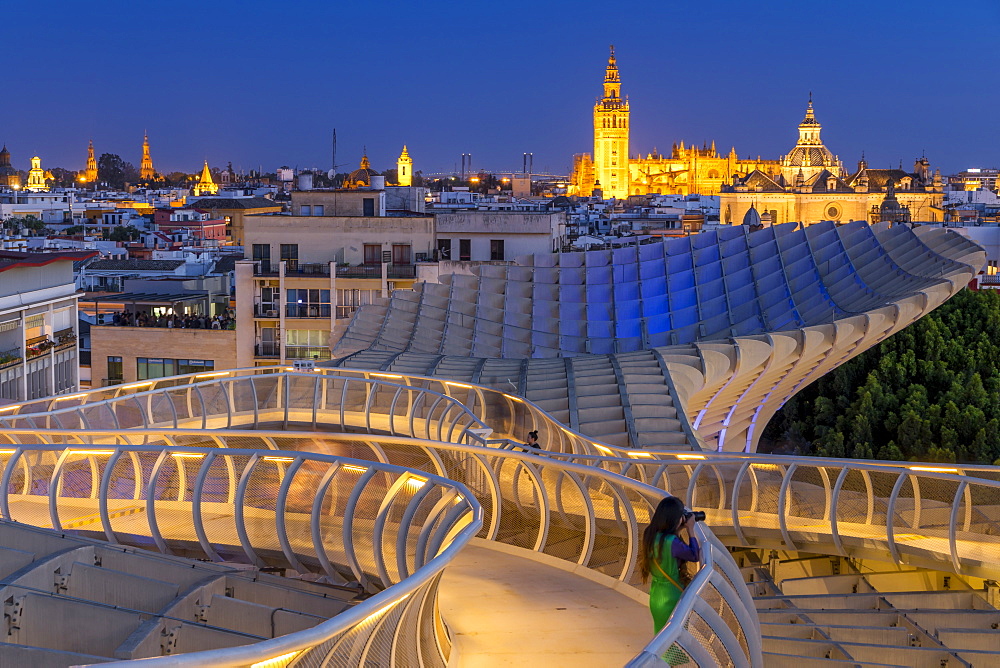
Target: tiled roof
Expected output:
[878,178]
[817,183]
[236,203]
[226,263]
[11,259]
[757,178]
[136,265]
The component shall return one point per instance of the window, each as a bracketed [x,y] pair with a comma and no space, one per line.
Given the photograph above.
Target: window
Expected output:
[290,256]
[373,253]
[401,254]
[270,298]
[308,303]
[496,249]
[368,206]
[161,367]
[465,249]
[318,210]
[262,254]
[305,210]
[115,370]
[444,249]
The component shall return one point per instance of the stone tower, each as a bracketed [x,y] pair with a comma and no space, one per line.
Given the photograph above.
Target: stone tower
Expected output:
[90,174]
[146,171]
[611,122]
[404,168]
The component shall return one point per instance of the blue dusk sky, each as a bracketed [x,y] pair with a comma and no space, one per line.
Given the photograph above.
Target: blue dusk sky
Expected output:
[265,83]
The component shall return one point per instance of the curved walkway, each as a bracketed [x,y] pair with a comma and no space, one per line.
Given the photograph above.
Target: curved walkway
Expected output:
[504,609]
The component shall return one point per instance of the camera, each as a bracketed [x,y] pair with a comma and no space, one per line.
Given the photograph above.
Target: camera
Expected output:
[698,515]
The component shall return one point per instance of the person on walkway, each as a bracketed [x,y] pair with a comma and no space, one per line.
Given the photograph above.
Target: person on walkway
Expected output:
[663,555]
[532,440]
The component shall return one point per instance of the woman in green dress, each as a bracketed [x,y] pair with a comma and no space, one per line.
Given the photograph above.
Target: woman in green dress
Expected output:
[663,555]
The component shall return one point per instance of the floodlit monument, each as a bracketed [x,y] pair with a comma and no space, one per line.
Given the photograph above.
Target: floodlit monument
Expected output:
[645,370]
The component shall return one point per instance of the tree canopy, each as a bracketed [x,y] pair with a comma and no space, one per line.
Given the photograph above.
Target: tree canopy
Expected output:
[115,172]
[929,393]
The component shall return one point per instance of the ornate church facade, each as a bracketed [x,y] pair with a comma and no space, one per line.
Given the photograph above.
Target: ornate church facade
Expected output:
[812,186]
[613,171]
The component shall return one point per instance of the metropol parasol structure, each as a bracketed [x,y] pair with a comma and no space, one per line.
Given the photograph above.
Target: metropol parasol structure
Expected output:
[291,516]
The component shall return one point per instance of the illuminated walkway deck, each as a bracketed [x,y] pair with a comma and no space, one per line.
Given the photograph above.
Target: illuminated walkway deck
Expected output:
[508,610]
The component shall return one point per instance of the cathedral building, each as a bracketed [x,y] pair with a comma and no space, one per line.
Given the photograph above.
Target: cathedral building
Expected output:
[613,171]
[812,186]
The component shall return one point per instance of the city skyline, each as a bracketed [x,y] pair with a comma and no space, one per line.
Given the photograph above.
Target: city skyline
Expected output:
[464,80]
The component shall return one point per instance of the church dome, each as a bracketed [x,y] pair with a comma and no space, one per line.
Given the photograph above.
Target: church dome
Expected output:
[810,156]
[361,177]
[752,217]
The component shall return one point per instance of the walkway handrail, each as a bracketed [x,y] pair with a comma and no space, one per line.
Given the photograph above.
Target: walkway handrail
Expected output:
[578,513]
[345,400]
[249,494]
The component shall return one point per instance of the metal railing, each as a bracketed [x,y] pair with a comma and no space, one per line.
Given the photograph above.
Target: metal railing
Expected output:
[585,516]
[307,310]
[285,399]
[303,511]
[933,516]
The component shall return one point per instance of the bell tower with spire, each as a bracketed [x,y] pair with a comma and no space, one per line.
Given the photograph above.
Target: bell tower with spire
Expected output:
[146,171]
[611,127]
[404,169]
[90,174]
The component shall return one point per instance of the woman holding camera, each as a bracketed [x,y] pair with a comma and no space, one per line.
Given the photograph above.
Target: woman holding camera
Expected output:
[663,555]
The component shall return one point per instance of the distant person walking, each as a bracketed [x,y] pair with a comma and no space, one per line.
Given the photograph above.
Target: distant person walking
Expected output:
[532,440]
[663,555]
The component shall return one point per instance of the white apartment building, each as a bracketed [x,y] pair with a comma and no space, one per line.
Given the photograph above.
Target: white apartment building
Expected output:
[38,325]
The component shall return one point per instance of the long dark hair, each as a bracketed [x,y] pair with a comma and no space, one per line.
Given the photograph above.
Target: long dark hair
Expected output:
[666,520]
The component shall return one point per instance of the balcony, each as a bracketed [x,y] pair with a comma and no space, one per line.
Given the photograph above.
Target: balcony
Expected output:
[9,358]
[268,349]
[265,268]
[267,310]
[292,268]
[360,271]
[306,269]
[307,353]
[39,345]
[307,310]
[394,271]
[402,271]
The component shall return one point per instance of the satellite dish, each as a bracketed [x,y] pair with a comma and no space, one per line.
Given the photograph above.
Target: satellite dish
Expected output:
[331,174]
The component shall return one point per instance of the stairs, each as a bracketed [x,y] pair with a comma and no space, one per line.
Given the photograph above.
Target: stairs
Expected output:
[825,611]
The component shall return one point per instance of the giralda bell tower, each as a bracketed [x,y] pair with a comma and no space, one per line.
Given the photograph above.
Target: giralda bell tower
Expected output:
[611,120]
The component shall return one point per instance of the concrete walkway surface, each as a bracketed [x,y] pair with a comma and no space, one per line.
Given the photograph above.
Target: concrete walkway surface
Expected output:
[508,610]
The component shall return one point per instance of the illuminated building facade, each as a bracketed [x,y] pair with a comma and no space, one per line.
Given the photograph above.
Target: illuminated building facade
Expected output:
[812,186]
[615,173]
[37,176]
[206,186]
[404,169]
[146,171]
[90,174]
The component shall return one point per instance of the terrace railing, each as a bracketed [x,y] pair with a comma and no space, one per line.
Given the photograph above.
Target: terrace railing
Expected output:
[303,511]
